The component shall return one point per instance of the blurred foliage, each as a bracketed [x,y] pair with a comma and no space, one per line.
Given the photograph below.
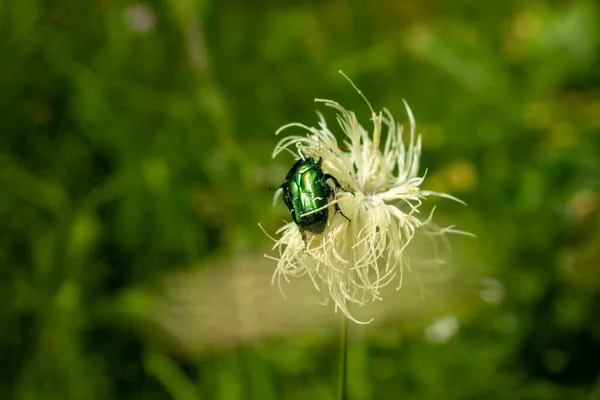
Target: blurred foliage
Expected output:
[135,155]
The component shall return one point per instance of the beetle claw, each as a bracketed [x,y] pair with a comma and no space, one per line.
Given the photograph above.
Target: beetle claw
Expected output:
[338,209]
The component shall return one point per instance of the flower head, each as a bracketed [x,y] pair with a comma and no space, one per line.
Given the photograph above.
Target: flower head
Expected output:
[352,260]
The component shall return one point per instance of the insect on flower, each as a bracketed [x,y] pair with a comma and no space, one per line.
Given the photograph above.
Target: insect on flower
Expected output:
[349,262]
[306,194]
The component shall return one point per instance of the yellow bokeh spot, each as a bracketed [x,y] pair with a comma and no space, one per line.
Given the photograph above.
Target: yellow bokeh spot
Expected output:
[462,176]
[563,135]
[537,115]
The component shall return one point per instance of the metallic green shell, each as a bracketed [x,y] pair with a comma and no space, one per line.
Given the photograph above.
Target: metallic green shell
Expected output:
[304,191]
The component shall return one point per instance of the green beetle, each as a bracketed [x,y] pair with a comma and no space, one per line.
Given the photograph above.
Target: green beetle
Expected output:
[305,190]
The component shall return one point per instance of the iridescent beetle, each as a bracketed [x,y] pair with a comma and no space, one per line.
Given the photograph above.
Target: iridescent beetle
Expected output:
[305,190]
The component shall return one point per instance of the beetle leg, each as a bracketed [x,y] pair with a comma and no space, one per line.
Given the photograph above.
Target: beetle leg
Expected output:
[278,187]
[338,209]
[335,181]
[331,193]
[303,238]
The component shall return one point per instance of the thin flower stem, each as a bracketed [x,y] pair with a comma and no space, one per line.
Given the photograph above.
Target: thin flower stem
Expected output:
[343,369]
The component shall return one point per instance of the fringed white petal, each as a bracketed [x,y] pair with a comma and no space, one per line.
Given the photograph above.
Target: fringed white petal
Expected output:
[350,262]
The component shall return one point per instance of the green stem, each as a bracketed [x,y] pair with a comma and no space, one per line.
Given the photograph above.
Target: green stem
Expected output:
[343,370]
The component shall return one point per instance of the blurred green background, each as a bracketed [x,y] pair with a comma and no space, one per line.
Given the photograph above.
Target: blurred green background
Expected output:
[135,165]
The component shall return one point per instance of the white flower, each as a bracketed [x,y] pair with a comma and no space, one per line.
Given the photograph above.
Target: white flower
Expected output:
[351,261]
